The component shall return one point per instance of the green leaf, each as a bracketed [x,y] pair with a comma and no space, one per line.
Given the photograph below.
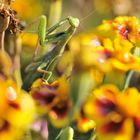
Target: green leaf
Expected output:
[67,134]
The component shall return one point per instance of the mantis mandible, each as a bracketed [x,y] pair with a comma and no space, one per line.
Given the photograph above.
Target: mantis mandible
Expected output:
[45,64]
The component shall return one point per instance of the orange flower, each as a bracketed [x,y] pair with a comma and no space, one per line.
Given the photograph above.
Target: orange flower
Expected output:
[116,113]
[83,123]
[126,28]
[33,8]
[15,113]
[105,55]
[6,65]
[53,100]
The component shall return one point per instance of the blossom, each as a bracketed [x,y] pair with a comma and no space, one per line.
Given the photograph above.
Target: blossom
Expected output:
[92,51]
[65,63]
[29,39]
[126,28]
[83,123]
[30,6]
[15,114]
[6,65]
[115,112]
[53,100]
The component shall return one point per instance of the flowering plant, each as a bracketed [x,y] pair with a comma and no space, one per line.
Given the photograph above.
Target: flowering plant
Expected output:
[83,86]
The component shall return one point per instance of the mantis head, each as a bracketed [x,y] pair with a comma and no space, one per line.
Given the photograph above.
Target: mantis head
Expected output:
[73,21]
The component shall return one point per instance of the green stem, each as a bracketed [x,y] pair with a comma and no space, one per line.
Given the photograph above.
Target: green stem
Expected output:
[131,73]
[128,79]
[93,137]
[28,136]
[66,133]
[16,61]
[137,51]
[58,136]
[2,34]
[115,77]
[5,24]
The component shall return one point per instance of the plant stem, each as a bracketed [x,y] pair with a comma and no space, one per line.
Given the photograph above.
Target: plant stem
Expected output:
[16,60]
[55,10]
[128,79]
[6,21]
[131,73]
[28,135]
[2,35]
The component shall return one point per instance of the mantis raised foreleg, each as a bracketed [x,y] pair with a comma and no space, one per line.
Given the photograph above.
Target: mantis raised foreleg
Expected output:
[47,36]
[46,63]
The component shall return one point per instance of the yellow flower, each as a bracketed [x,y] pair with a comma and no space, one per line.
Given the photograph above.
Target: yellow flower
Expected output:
[29,40]
[126,28]
[105,55]
[85,39]
[32,8]
[83,123]
[53,100]
[6,65]
[84,49]
[116,113]
[125,61]
[100,107]
[97,76]
[64,65]
[16,112]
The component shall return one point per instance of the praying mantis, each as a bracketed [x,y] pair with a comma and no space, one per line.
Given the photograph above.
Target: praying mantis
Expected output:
[45,64]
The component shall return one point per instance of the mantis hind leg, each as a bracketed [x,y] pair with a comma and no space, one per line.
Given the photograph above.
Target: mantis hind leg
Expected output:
[41,70]
[36,50]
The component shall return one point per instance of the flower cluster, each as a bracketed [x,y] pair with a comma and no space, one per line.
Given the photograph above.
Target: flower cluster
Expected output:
[116,112]
[111,55]
[15,114]
[110,47]
[52,99]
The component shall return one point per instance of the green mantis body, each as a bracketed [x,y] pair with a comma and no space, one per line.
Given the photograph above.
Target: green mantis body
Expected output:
[46,63]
